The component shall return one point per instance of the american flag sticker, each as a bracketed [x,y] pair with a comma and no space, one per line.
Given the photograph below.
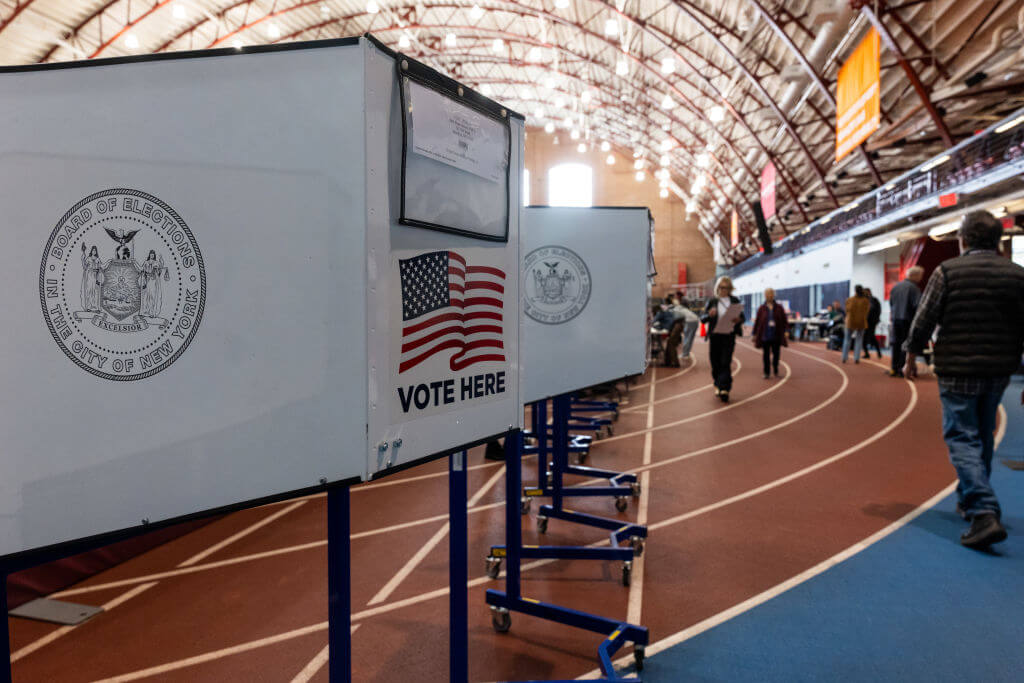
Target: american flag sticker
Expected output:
[451,308]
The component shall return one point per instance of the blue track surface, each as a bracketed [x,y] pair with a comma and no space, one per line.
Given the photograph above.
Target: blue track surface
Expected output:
[915,606]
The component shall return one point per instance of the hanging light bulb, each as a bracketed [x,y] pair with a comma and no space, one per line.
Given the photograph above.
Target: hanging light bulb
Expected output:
[662,174]
[497,45]
[131,42]
[622,67]
[585,96]
[667,103]
[639,176]
[179,11]
[561,4]
[691,206]
[610,160]
[637,154]
[237,43]
[668,65]
[274,31]
[535,54]
[372,7]
[559,102]
[638,164]
[581,148]
[568,122]
[549,127]
[324,9]
[538,112]
[404,42]
[574,134]
[605,146]
[485,89]
[449,39]
[703,160]
[663,182]
[663,193]
[549,83]
[611,28]
[716,114]
[667,144]
[664,160]
[476,12]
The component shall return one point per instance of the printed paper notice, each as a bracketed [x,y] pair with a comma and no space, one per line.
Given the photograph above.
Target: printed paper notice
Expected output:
[452,133]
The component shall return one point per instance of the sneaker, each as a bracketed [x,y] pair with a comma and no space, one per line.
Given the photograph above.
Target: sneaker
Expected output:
[766,376]
[776,373]
[985,530]
[896,373]
[718,392]
[724,396]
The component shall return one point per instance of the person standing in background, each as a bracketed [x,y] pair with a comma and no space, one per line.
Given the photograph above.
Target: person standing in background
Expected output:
[770,331]
[903,301]
[977,302]
[690,325]
[721,346]
[857,307]
[874,316]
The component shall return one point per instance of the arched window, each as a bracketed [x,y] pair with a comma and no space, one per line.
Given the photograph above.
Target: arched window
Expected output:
[571,185]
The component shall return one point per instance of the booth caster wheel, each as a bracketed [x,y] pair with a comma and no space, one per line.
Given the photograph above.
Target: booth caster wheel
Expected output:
[493,566]
[638,656]
[542,525]
[616,417]
[609,430]
[621,503]
[635,486]
[627,572]
[524,505]
[501,620]
[638,545]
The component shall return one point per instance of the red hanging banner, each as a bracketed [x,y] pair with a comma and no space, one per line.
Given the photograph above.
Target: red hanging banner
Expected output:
[768,191]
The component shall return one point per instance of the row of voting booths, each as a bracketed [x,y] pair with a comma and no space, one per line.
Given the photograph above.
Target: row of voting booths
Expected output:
[241,276]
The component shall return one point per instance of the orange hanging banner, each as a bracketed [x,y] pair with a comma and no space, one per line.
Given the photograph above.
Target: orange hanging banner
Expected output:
[858,107]
[734,235]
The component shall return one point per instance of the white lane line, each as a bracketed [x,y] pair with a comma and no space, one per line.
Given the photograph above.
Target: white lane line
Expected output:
[241,534]
[730,406]
[316,663]
[786,585]
[689,392]
[636,584]
[431,595]
[641,385]
[418,557]
[257,556]
[794,581]
[63,630]
[217,654]
[421,477]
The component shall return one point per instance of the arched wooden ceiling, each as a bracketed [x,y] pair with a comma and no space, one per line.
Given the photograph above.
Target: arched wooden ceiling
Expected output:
[724,86]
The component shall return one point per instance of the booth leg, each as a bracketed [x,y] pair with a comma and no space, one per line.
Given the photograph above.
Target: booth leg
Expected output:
[5,669]
[339,588]
[513,523]
[458,568]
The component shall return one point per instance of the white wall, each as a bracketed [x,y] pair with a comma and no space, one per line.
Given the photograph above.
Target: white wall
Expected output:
[830,263]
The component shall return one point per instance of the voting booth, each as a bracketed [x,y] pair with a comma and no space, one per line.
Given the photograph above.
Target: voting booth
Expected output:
[234,276]
[585,282]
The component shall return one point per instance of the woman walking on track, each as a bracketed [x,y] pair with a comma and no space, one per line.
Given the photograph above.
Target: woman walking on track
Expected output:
[721,345]
[770,331]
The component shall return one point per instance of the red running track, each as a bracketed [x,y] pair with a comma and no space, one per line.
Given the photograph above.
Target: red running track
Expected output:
[739,498]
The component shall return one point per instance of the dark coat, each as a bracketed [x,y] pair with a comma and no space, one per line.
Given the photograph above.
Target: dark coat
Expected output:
[761,322]
[705,318]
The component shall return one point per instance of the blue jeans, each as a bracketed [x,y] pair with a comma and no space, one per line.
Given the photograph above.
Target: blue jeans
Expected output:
[968,421]
[858,335]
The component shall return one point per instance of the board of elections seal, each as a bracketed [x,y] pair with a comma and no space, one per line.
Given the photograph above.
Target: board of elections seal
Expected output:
[556,285]
[122,285]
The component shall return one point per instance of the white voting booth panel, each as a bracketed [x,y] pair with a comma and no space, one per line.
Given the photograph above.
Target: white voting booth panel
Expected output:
[585,283]
[210,293]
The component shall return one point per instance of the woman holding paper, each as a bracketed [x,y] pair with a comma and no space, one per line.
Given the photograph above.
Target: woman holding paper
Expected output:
[724,316]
